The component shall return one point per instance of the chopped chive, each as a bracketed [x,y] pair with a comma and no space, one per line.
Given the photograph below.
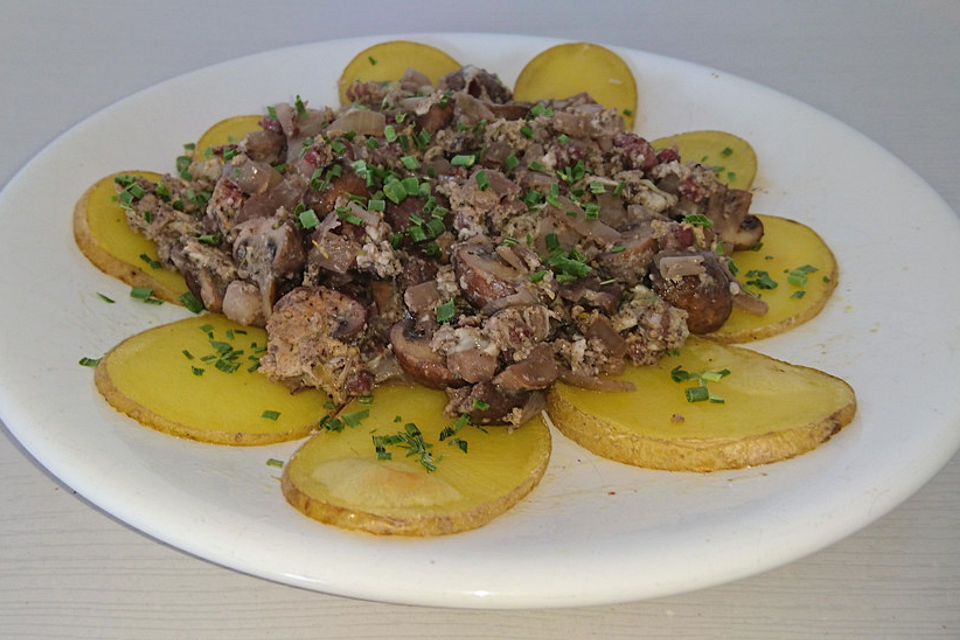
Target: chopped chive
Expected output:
[354,418]
[537,276]
[273,462]
[153,264]
[483,181]
[308,219]
[89,362]
[270,414]
[697,394]
[463,160]
[411,186]
[761,279]
[698,220]
[105,298]
[191,302]
[145,294]
[445,312]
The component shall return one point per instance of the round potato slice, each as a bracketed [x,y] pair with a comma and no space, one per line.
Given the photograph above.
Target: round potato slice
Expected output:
[387,61]
[732,157]
[792,270]
[574,67]
[101,232]
[227,131]
[196,379]
[372,474]
[752,410]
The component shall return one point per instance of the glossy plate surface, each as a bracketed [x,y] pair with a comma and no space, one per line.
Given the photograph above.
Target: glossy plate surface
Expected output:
[593,531]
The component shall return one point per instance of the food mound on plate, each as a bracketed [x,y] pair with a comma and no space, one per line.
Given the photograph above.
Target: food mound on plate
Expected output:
[454,236]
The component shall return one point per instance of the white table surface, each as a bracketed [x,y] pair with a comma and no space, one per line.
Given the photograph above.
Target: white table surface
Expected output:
[890,69]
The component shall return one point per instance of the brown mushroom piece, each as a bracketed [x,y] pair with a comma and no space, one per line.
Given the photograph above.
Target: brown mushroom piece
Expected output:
[634,257]
[696,283]
[324,200]
[473,365]
[242,304]
[418,360]
[265,146]
[482,275]
[731,222]
[485,402]
[478,83]
[536,371]
[748,233]
[207,270]
[437,117]
[267,251]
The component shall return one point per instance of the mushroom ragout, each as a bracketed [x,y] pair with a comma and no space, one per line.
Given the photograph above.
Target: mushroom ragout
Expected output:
[452,236]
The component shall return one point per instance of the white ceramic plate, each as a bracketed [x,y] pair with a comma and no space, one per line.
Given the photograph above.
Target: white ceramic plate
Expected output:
[593,531]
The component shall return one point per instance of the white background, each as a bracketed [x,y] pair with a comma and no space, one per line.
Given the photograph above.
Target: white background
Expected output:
[889,69]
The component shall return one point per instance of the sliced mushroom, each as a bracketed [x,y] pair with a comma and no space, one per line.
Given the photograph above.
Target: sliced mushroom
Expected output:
[473,365]
[484,402]
[267,251]
[482,275]
[696,283]
[536,371]
[207,270]
[748,233]
[418,360]
[242,304]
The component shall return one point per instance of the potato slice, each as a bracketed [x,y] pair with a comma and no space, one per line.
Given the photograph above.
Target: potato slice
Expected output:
[228,131]
[771,411]
[337,478]
[101,232]
[387,61]
[567,69]
[804,270]
[174,378]
[732,157]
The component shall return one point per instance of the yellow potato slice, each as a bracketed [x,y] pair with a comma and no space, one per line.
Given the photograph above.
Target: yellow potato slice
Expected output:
[101,232]
[771,411]
[337,478]
[571,68]
[151,378]
[227,131]
[387,61]
[732,156]
[788,254]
